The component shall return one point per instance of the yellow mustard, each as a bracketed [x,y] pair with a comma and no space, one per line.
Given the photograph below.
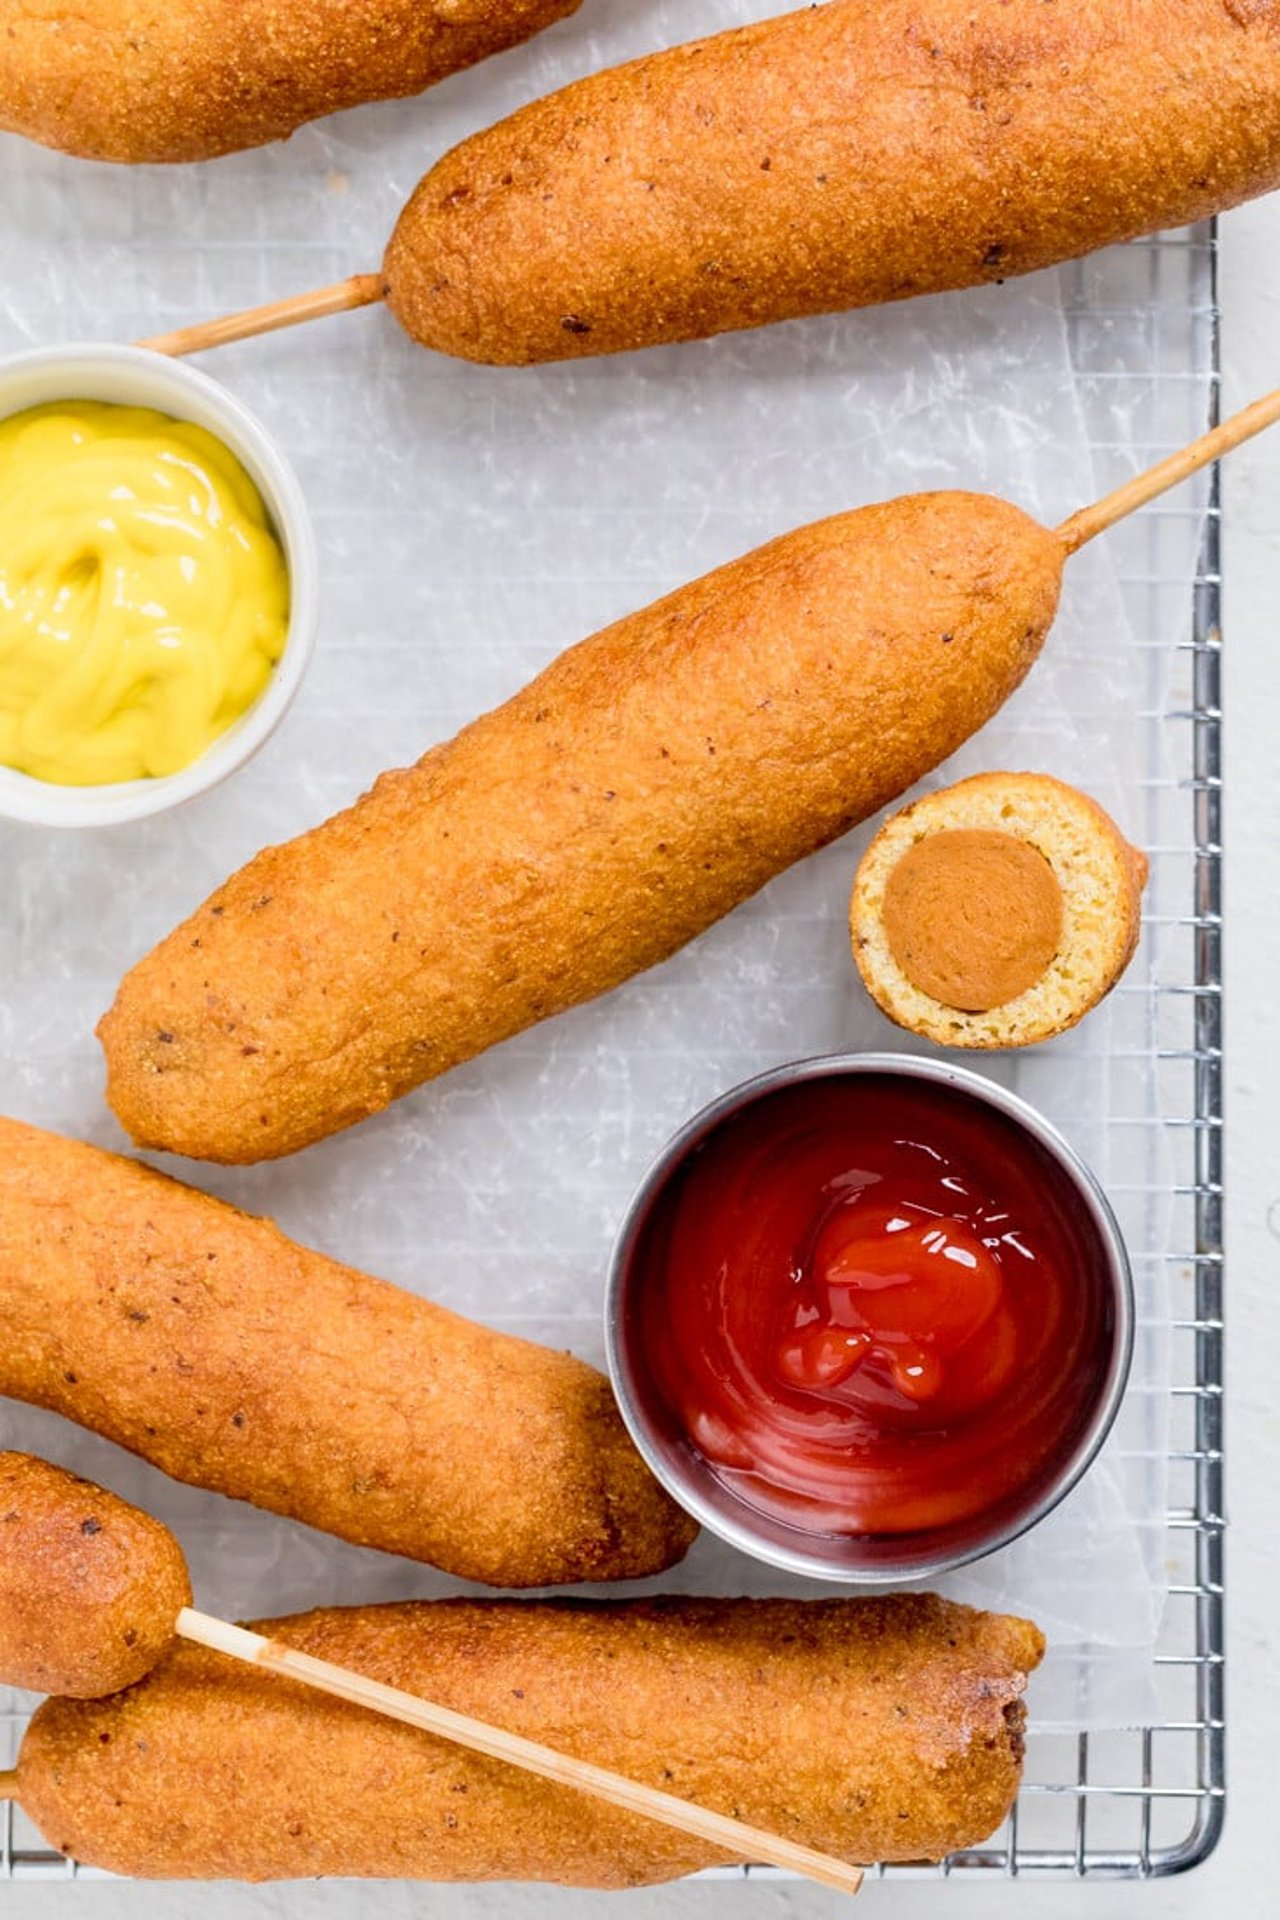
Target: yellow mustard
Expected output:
[144,597]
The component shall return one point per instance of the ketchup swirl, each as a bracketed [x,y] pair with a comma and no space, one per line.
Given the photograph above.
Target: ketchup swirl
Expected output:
[874,1305]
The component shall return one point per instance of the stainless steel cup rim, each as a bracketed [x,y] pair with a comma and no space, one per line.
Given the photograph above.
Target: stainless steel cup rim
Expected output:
[724,1521]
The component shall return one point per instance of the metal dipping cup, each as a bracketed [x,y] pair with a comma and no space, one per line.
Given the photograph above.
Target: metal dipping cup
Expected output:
[874,1560]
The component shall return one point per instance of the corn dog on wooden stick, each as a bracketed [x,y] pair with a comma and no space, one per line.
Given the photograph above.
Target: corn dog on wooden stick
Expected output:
[887,1727]
[645,783]
[134,82]
[838,156]
[231,1358]
[93,1593]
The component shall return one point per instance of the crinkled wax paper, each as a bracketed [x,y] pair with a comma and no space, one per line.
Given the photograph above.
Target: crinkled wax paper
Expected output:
[471,523]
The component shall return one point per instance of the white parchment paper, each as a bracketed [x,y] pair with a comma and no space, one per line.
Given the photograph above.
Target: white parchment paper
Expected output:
[472,522]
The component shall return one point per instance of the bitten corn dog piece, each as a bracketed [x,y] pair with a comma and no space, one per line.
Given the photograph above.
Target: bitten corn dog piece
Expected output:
[89,1586]
[883,1728]
[836,157]
[124,80]
[643,785]
[997,912]
[231,1358]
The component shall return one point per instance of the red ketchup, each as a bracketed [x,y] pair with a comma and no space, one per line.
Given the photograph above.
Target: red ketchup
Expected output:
[875,1305]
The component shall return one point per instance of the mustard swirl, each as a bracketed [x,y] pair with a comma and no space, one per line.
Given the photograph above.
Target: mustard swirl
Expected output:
[144,597]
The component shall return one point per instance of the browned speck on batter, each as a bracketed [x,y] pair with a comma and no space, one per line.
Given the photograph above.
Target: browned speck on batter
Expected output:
[813,666]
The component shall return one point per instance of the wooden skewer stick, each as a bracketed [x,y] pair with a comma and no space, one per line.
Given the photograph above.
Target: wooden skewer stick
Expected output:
[1145,487]
[361,290]
[743,1842]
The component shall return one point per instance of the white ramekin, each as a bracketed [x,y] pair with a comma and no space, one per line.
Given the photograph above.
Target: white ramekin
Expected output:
[131,376]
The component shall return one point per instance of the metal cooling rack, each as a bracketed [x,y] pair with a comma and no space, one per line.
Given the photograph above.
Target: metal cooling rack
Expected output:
[1139,1802]
[1149,1801]
[1142,1802]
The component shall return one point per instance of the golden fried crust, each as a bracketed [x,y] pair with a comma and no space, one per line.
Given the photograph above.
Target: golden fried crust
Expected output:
[231,1358]
[643,785]
[1099,876]
[89,1586]
[190,79]
[883,1728]
[836,157]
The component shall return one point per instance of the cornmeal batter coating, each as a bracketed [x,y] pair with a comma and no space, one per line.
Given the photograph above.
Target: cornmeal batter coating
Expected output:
[231,1358]
[643,785]
[883,1728]
[836,157]
[152,80]
[89,1586]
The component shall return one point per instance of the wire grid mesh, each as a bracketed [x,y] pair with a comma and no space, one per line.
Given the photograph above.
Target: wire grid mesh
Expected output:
[1136,1802]
[1141,1802]
[1149,1801]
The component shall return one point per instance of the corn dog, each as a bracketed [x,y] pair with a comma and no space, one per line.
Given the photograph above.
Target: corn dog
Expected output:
[120,80]
[89,1586]
[62,1621]
[231,1358]
[644,784]
[886,1727]
[835,157]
